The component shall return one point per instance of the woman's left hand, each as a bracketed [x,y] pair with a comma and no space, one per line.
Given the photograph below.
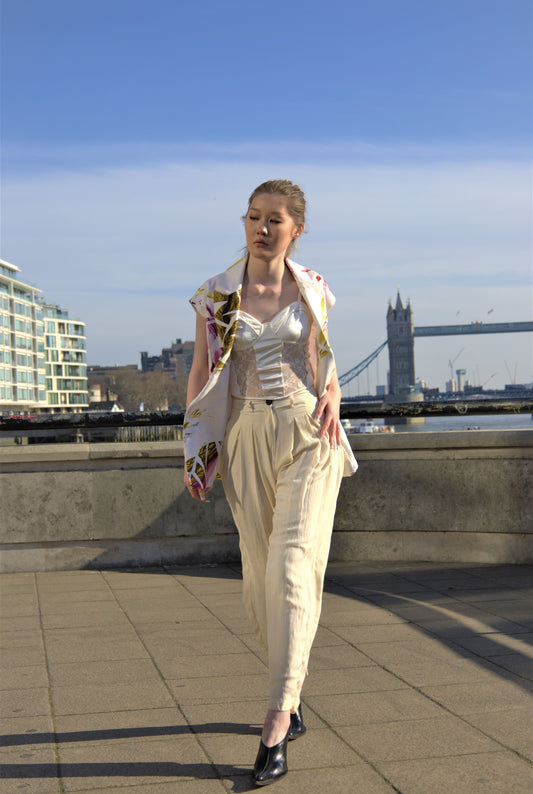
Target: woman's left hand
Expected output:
[328,413]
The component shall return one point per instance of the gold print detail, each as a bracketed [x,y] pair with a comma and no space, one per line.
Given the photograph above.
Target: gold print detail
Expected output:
[197,465]
[226,310]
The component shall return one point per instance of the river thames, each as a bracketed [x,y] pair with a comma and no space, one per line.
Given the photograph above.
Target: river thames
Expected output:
[478,422]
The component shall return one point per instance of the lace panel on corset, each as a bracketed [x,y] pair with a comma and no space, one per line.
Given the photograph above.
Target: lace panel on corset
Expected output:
[271,360]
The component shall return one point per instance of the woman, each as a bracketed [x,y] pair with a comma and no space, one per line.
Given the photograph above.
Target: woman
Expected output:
[263,412]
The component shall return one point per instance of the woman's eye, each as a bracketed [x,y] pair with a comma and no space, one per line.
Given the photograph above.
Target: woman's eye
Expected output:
[274,220]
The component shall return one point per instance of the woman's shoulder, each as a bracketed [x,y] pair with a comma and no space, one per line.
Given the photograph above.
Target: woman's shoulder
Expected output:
[230,278]
[227,282]
[308,276]
[305,273]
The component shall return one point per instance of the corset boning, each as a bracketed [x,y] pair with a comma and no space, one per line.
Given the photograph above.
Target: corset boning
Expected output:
[271,360]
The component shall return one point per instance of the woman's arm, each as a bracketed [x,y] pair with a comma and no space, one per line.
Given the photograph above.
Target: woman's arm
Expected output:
[200,367]
[328,412]
[197,379]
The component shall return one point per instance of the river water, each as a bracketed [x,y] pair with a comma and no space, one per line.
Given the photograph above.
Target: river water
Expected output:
[438,423]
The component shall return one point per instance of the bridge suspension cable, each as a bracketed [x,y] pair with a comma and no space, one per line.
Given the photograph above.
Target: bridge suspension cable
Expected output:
[352,373]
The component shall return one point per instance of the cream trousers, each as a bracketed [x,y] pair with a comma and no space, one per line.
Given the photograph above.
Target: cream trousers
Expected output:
[282,482]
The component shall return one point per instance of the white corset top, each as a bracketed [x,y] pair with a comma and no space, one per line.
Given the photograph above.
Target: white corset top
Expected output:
[271,360]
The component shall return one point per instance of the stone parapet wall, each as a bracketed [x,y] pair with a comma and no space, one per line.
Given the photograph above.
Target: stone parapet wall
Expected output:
[445,497]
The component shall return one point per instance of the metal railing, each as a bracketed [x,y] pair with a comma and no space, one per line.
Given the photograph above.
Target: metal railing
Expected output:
[168,425]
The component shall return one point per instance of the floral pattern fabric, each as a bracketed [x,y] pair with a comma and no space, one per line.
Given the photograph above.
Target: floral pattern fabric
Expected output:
[218,301]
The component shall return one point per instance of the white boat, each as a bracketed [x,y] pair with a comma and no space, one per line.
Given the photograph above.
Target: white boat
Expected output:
[368,426]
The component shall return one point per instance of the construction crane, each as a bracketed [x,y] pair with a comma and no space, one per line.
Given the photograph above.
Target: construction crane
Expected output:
[512,377]
[491,377]
[451,363]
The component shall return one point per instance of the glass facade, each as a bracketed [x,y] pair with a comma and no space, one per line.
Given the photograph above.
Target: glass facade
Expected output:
[65,360]
[43,366]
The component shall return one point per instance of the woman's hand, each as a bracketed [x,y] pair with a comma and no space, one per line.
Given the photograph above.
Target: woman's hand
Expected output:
[328,413]
[196,492]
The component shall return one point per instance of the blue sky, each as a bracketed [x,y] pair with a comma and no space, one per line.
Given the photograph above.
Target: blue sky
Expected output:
[132,133]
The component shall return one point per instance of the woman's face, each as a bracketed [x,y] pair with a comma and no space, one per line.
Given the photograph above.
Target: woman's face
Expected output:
[268,226]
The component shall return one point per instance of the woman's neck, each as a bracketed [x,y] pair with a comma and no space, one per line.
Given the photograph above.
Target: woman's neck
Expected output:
[270,273]
[267,288]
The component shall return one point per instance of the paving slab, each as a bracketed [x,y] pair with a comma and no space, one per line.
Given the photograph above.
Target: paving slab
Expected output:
[472,698]
[24,676]
[368,707]
[108,697]
[119,727]
[17,623]
[175,787]
[512,728]
[27,702]
[86,644]
[133,672]
[21,656]
[410,739]
[218,689]
[178,758]
[345,779]
[497,773]
[152,681]
[182,667]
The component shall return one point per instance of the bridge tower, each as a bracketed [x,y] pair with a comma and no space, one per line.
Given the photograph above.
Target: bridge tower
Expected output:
[400,335]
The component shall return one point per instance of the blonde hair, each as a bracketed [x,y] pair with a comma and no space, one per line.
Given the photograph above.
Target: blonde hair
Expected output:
[295,200]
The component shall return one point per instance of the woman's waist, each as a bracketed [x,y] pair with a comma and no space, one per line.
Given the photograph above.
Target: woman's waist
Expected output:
[303,398]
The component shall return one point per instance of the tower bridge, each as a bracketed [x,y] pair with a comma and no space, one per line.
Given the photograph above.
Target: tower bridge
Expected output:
[472,328]
[401,333]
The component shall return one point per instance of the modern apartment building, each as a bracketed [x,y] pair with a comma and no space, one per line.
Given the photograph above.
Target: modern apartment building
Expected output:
[66,361]
[42,352]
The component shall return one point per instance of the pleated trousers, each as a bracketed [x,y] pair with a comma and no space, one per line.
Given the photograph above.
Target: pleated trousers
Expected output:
[282,482]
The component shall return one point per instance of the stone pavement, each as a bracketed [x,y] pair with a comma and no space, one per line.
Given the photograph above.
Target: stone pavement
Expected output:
[150,681]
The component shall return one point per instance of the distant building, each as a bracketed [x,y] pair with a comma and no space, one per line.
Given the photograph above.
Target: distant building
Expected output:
[451,385]
[42,351]
[461,379]
[175,360]
[96,395]
[518,387]
[66,362]
[98,379]
[96,371]
[106,406]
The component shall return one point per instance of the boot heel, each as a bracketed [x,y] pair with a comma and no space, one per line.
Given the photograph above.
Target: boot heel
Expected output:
[297,727]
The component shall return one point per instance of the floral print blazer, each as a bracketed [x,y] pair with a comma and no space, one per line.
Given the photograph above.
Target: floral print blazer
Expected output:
[218,300]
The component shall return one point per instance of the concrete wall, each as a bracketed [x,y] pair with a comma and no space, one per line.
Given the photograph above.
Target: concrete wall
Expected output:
[449,496]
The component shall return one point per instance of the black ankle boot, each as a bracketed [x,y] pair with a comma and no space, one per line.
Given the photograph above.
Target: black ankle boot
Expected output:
[271,763]
[297,728]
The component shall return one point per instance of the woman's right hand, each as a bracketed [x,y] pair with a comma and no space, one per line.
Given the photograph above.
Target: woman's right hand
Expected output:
[195,491]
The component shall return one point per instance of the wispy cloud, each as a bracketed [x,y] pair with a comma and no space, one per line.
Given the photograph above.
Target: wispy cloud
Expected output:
[122,246]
